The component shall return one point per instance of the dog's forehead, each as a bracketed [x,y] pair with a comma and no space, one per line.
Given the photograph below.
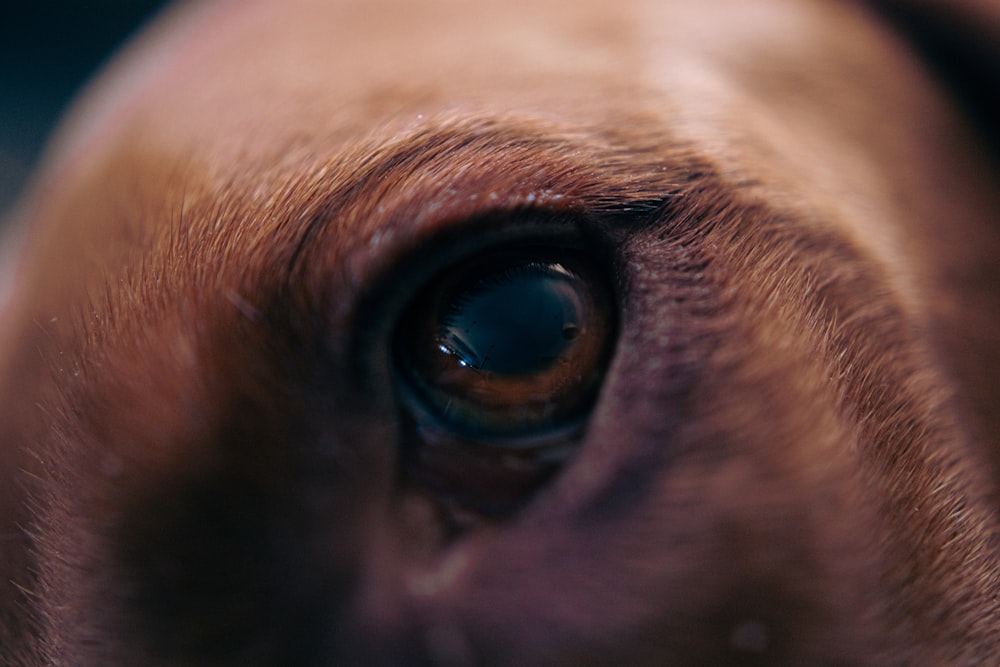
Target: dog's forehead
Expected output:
[213,74]
[230,89]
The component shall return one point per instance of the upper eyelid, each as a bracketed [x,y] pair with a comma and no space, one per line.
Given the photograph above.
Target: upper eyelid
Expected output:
[414,184]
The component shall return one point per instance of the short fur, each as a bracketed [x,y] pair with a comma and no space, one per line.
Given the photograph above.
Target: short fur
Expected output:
[794,456]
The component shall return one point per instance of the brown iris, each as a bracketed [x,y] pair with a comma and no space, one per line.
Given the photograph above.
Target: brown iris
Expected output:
[508,344]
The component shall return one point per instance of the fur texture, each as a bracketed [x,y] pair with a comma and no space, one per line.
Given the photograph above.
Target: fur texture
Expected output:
[794,455]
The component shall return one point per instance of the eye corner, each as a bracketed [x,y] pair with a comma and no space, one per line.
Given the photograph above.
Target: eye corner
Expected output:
[477,479]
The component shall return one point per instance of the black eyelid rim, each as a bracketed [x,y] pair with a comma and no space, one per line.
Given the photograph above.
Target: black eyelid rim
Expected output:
[553,443]
[380,307]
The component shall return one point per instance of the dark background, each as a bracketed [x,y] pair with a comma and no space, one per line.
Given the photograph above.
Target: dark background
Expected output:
[48,50]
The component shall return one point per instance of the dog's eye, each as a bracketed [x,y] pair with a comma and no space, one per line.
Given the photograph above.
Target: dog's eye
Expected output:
[500,359]
[509,344]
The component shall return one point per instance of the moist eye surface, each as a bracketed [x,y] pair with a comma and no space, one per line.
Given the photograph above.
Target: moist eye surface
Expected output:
[518,321]
[508,343]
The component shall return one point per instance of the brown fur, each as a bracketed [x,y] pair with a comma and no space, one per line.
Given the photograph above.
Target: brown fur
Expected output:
[794,455]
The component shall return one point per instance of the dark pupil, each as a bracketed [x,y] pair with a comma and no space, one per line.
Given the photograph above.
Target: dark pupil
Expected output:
[516,322]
